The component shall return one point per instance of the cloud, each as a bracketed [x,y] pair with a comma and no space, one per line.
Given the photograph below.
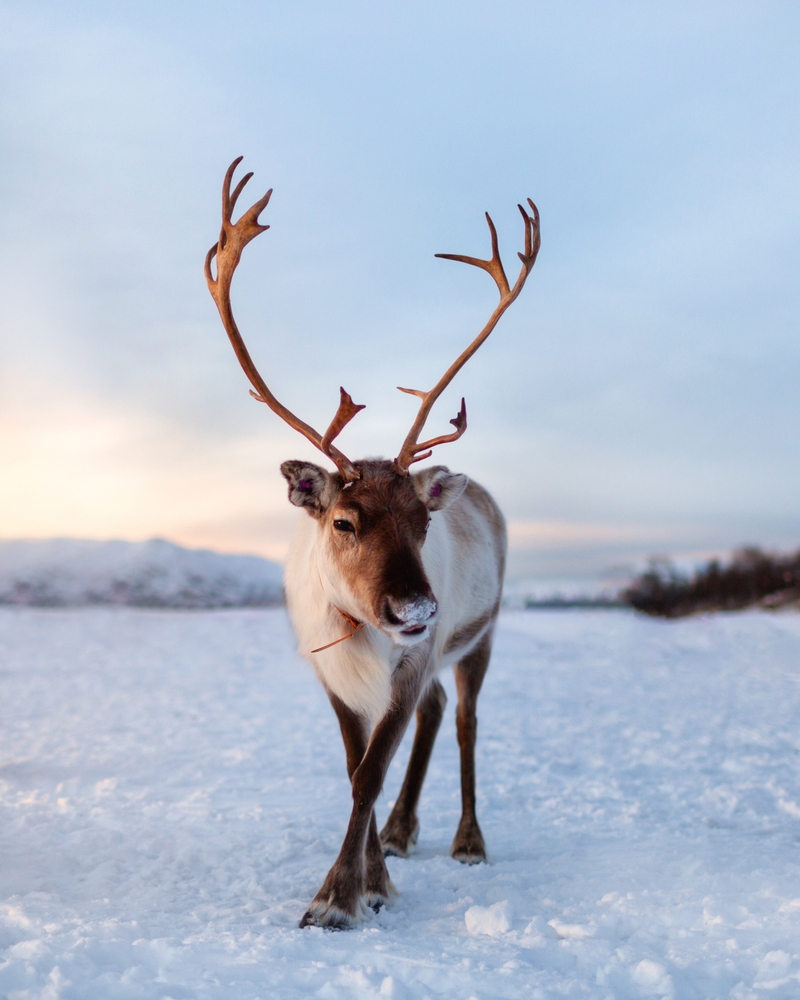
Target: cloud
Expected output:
[562,534]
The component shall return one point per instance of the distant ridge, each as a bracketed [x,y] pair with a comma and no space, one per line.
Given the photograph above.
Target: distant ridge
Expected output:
[555,594]
[71,572]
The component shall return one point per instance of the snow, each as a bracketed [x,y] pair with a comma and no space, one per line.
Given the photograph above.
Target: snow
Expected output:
[173,791]
[70,572]
[492,920]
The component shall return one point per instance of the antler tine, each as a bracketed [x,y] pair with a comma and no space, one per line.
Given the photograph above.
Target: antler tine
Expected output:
[347,410]
[493,266]
[410,452]
[460,424]
[233,198]
[228,251]
[533,237]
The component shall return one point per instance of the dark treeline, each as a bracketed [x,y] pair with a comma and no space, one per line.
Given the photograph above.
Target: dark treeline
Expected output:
[752,577]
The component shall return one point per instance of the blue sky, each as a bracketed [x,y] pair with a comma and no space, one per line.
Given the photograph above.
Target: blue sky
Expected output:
[642,394]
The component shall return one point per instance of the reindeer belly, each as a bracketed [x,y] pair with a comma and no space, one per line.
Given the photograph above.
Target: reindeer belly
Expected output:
[466,560]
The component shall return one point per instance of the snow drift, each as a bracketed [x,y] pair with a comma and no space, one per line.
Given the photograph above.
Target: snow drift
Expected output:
[69,572]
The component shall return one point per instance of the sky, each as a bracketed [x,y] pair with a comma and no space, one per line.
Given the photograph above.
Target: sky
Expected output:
[640,397]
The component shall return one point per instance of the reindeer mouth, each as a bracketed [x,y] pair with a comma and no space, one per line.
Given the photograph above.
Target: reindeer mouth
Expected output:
[414,630]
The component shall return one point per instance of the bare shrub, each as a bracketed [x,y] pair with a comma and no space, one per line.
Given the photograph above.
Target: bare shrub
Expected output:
[751,578]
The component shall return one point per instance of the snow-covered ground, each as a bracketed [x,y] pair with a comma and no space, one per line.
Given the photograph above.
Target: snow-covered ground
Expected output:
[72,572]
[173,791]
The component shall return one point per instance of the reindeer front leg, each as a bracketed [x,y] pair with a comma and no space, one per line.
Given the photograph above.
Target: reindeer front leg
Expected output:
[346,894]
[355,735]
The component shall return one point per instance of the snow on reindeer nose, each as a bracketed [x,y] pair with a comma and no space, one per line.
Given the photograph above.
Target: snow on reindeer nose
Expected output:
[416,612]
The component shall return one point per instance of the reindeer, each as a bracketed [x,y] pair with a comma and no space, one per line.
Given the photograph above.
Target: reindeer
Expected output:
[410,568]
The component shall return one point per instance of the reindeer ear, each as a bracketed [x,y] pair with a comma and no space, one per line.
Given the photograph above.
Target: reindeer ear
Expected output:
[309,486]
[439,487]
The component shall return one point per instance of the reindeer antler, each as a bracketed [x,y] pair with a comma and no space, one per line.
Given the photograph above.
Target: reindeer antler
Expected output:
[228,251]
[411,451]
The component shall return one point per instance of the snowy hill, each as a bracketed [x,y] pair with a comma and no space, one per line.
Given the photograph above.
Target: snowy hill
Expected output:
[69,572]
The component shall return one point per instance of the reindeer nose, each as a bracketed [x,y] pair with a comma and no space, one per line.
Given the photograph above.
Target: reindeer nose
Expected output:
[410,613]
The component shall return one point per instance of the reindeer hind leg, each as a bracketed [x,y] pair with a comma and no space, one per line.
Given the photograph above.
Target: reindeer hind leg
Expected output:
[468,845]
[402,826]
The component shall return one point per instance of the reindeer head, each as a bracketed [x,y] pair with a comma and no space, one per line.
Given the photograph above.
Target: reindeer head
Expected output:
[371,532]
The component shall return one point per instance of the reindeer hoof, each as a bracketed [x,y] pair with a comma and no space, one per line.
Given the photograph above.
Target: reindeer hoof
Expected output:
[468,846]
[468,857]
[392,850]
[334,918]
[397,838]
[384,896]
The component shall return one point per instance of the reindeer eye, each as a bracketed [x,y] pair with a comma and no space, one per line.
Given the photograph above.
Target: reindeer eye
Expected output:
[342,525]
